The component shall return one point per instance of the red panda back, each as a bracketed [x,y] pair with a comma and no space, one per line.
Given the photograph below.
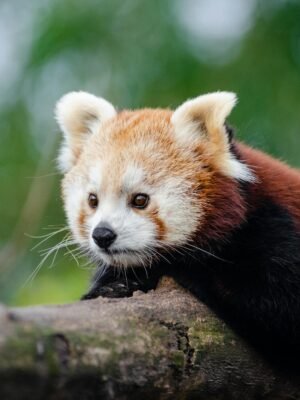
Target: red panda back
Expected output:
[275,180]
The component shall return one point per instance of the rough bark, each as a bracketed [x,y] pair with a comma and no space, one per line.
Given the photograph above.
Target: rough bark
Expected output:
[159,345]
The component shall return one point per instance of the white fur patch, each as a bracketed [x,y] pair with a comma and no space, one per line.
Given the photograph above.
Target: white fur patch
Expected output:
[181,218]
[132,178]
[66,158]
[74,196]
[238,170]
[96,175]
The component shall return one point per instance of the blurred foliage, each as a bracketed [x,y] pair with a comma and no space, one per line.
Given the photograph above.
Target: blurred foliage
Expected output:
[135,53]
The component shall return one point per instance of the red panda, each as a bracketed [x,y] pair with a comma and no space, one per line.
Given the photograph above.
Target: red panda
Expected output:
[173,193]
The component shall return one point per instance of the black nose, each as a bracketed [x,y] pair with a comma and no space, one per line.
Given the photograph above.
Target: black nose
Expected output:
[103,236]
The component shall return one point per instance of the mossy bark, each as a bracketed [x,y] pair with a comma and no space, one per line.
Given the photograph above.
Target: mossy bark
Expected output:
[159,345]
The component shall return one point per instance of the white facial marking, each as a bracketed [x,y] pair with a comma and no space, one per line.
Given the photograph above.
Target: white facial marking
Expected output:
[132,178]
[134,232]
[181,218]
[74,197]
[96,176]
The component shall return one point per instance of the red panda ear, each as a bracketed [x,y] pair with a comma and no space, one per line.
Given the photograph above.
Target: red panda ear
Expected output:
[203,117]
[203,120]
[78,115]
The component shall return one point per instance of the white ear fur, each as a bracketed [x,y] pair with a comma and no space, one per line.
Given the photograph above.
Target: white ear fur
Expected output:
[202,119]
[78,115]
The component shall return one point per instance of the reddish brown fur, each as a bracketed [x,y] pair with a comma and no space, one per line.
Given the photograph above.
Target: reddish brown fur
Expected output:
[224,208]
[131,128]
[160,225]
[152,212]
[275,180]
[81,222]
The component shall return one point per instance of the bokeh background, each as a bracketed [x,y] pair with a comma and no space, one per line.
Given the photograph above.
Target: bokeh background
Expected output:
[135,53]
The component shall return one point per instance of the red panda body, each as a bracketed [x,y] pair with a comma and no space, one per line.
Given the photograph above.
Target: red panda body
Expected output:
[251,279]
[175,191]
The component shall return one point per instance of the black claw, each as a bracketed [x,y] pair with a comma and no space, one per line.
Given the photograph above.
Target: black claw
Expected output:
[108,285]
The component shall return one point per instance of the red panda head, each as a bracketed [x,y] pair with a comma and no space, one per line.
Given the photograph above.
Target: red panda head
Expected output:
[140,182]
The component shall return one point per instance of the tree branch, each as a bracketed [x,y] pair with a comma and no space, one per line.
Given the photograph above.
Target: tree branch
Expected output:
[159,345]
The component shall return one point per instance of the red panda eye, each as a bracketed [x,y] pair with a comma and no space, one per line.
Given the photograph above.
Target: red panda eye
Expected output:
[93,200]
[140,200]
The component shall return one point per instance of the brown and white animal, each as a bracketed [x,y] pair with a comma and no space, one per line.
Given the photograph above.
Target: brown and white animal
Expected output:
[172,190]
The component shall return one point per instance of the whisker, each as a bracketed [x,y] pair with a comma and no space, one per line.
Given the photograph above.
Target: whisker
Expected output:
[53,259]
[65,241]
[125,274]
[37,269]
[52,227]
[206,252]
[72,254]
[54,250]
[45,237]
[99,273]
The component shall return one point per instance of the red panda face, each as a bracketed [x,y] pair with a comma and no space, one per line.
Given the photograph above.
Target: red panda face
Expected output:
[138,183]
[133,179]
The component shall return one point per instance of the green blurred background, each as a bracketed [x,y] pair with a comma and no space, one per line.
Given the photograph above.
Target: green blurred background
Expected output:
[135,53]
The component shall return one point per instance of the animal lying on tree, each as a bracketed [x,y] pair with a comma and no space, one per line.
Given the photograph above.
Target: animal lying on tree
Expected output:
[156,192]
